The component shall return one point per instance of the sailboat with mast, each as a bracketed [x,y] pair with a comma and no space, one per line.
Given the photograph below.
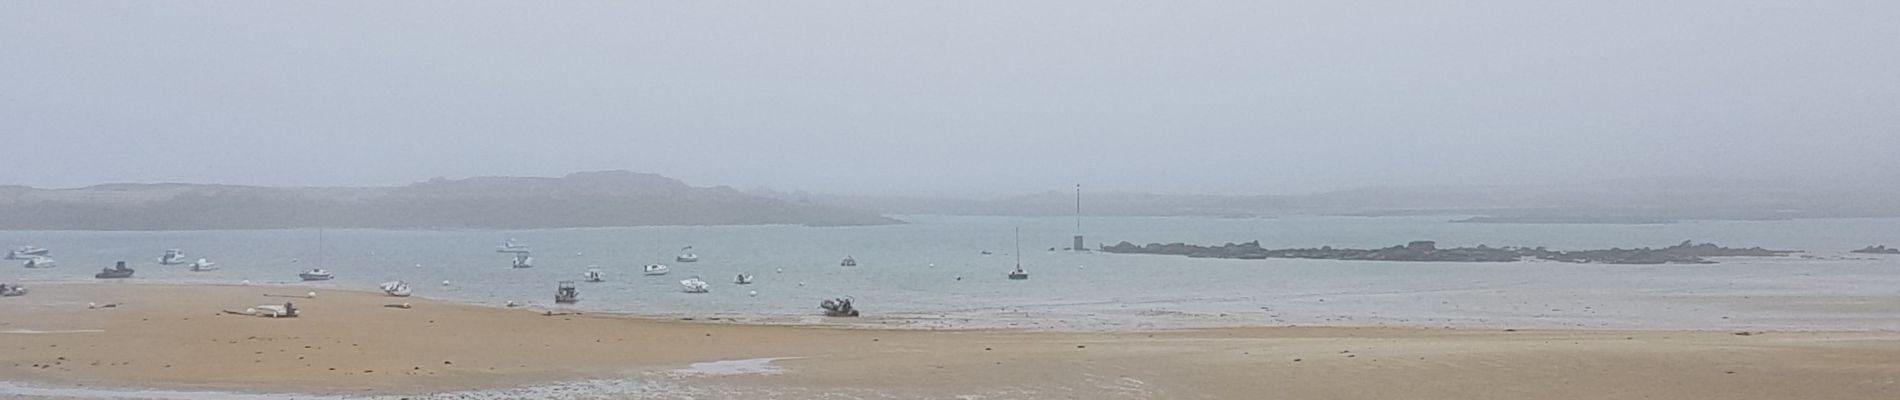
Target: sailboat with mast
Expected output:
[1019,274]
[318,273]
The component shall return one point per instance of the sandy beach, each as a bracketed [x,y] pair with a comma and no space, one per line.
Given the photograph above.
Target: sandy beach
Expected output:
[174,337]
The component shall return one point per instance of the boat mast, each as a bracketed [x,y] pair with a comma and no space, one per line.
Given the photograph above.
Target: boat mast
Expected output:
[1019,247]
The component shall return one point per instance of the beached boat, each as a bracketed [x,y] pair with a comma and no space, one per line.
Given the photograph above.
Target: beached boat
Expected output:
[117,271]
[12,290]
[742,279]
[566,293]
[594,275]
[686,255]
[316,275]
[695,285]
[848,262]
[396,288]
[27,252]
[523,260]
[657,269]
[271,310]
[511,247]
[839,307]
[38,262]
[172,257]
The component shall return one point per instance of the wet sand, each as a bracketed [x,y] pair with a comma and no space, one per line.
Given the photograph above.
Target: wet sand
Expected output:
[174,337]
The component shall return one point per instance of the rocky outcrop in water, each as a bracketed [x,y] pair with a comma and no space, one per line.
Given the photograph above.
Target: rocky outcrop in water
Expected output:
[1684,253]
[1880,249]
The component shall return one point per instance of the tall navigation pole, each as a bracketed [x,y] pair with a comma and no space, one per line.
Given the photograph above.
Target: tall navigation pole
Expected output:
[1078,219]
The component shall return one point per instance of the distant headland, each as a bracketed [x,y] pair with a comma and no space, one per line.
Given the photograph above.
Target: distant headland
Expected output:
[586,199]
[1424,250]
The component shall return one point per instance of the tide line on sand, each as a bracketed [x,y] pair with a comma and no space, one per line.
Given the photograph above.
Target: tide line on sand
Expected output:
[34,332]
[751,366]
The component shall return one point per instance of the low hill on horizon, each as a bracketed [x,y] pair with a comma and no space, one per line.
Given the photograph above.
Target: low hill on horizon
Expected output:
[585,199]
[1621,201]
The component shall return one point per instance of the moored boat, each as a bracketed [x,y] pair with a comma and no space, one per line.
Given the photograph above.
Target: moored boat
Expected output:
[316,275]
[27,252]
[657,269]
[511,247]
[117,271]
[203,265]
[566,293]
[172,257]
[694,285]
[396,288]
[839,307]
[38,262]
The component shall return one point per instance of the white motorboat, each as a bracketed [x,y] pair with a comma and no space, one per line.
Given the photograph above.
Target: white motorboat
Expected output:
[27,252]
[523,260]
[657,269]
[316,275]
[203,265]
[742,279]
[396,288]
[686,255]
[694,285]
[511,247]
[38,262]
[594,275]
[172,257]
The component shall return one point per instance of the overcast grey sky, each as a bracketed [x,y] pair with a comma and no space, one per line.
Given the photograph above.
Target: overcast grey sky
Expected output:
[964,97]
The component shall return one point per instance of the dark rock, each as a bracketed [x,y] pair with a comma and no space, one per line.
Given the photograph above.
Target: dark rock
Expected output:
[1425,250]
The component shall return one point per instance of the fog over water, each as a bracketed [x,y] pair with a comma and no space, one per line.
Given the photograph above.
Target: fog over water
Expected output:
[977,98]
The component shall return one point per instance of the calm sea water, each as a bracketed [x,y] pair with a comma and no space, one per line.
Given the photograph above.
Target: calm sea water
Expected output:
[932,273]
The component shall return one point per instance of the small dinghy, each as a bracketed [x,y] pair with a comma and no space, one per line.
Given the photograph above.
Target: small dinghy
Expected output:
[38,262]
[523,260]
[657,269]
[27,252]
[686,255]
[286,310]
[172,257]
[694,285]
[594,275]
[566,293]
[117,271]
[839,307]
[743,279]
[396,288]
[203,265]
[12,290]
[848,262]
[316,275]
